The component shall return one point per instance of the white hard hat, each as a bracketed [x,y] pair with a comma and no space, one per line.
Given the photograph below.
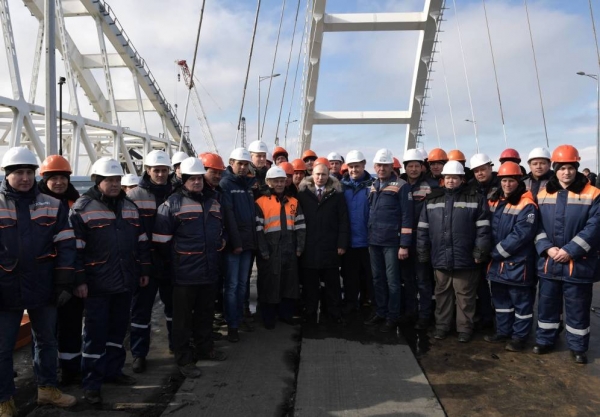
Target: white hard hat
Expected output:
[19,156]
[157,158]
[539,153]
[383,156]
[424,153]
[276,172]
[412,155]
[354,156]
[107,167]
[480,159]
[258,146]
[178,158]
[453,168]
[130,179]
[240,154]
[192,166]
[334,156]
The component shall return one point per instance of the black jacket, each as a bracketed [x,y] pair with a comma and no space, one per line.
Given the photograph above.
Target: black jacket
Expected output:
[240,213]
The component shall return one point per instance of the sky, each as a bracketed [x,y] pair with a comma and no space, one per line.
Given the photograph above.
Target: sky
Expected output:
[360,71]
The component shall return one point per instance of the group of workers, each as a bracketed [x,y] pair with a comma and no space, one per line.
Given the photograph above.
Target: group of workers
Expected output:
[88,268]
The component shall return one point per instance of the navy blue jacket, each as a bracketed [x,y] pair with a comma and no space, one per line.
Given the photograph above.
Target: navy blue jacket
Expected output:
[240,212]
[569,219]
[486,189]
[454,229]
[113,250]
[189,230]
[37,248]
[420,190]
[357,200]
[514,226]
[534,185]
[391,213]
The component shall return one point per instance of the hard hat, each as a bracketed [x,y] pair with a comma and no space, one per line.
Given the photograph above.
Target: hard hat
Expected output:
[480,159]
[240,154]
[276,172]
[355,156]
[19,156]
[55,163]
[424,153]
[397,164]
[258,146]
[321,160]
[456,155]
[510,169]
[510,153]
[130,179]
[453,168]
[437,155]
[192,166]
[178,158]
[299,165]
[565,154]
[212,160]
[334,156]
[413,155]
[279,151]
[107,167]
[308,154]
[287,167]
[344,168]
[157,158]
[383,156]
[539,153]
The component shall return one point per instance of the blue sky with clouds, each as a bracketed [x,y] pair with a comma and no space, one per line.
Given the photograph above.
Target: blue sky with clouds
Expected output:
[364,71]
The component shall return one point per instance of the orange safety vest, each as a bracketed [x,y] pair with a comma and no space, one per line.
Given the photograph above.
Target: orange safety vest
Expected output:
[271,209]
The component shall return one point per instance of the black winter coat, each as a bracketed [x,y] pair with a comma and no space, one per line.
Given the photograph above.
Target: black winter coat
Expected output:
[240,213]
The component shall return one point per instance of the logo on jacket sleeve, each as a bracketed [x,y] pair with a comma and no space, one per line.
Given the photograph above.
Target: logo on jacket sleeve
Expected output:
[531,218]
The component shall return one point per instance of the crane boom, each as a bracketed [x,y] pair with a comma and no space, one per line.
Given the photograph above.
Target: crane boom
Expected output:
[197,103]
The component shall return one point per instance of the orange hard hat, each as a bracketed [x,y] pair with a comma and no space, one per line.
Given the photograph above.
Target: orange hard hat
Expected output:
[436,155]
[321,160]
[299,165]
[279,151]
[510,153]
[287,167]
[456,155]
[212,160]
[565,154]
[344,168]
[308,154]
[397,164]
[55,163]
[510,169]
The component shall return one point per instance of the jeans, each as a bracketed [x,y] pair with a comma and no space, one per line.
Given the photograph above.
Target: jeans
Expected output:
[43,325]
[236,278]
[386,280]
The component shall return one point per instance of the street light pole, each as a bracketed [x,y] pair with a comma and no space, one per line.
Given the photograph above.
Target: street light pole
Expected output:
[597,79]
[261,78]
[61,81]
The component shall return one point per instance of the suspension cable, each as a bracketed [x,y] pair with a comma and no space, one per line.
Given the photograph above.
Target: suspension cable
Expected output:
[595,35]
[487,24]
[448,94]
[262,128]
[287,71]
[537,74]
[247,74]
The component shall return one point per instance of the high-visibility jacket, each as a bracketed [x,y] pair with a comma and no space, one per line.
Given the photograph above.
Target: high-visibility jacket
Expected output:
[514,227]
[37,248]
[569,219]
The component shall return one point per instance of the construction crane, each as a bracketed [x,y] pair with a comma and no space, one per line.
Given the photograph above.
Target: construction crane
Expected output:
[200,113]
[243,132]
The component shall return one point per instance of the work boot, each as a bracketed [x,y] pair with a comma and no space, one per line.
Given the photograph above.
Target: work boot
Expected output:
[92,396]
[422,324]
[374,320]
[464,337]
[8,408]
[389,326]
[515,345]
[139,365]
[495,338]
[55,397]
[213,355]
[542,349]
[233,335]
[190,371]
[440,334]
[123,380]
[579,357]
[246,326]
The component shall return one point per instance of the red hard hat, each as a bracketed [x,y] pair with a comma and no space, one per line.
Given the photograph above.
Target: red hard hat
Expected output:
[55,163]
[510,153]
[510,169]
[456,155]
[299,165]
[397,164]
[308,154]
[344,168]
[212,160]
[437,155]
[565,154]
[287,167]
[279,151]
[321,160]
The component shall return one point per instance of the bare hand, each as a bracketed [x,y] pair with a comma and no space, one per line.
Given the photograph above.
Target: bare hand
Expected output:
[478,261]
[237,251]
[402,253]
[144,280]
[341,251]
[81,291]
[298,254]
[223,243]
[562,256]
[552,252]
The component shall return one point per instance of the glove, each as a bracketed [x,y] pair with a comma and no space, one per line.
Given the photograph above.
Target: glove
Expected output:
[481,255]
[62,295]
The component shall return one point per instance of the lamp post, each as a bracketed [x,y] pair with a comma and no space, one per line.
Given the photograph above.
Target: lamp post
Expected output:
[595,77]
[61,82]
[286,130]
[261,78]
[475,128]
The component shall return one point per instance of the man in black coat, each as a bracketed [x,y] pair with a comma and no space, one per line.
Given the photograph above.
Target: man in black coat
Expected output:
[327,236]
